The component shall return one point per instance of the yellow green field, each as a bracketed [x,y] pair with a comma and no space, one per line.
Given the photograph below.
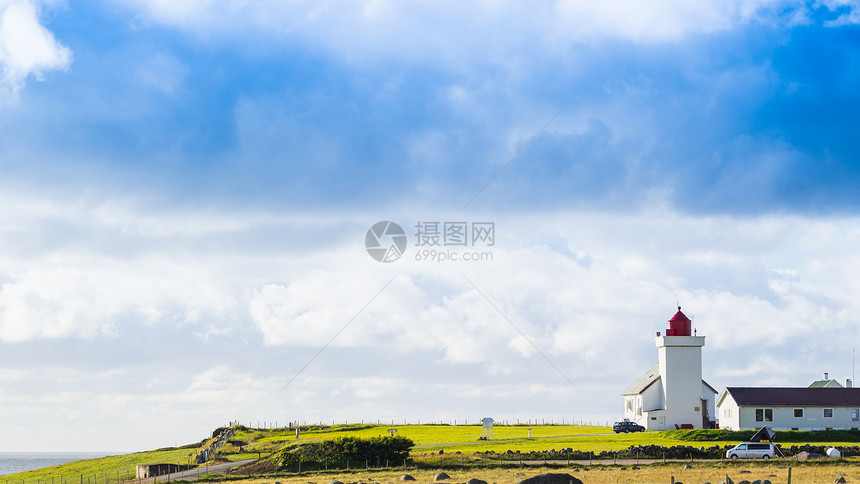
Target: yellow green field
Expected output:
[459,442]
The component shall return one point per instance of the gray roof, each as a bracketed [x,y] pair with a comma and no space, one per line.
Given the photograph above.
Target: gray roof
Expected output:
[792,396]
[649,378]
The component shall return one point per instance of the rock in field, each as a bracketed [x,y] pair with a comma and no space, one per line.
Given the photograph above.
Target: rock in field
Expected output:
[475,481]
[406,477]
[551,478]
[441,476]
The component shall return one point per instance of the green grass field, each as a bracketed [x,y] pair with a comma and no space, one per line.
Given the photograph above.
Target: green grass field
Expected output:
[429,440]
[98,471]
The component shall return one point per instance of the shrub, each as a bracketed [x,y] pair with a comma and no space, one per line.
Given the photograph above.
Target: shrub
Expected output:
[346,451]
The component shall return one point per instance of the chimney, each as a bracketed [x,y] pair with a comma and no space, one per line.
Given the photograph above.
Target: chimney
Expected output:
[825,375]
[849,383]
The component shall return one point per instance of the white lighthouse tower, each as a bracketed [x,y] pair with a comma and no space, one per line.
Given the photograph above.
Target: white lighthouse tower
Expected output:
[672,394]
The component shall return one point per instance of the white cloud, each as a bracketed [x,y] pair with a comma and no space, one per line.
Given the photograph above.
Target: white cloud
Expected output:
[82,273]
[451,32]
[27,48]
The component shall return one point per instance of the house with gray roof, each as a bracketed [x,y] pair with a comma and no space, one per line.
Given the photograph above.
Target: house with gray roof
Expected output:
[789,408]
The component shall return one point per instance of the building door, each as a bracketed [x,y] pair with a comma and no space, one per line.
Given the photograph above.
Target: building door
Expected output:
[706,419]
[661,423]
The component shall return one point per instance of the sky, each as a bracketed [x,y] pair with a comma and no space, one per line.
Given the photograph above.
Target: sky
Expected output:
[186,190]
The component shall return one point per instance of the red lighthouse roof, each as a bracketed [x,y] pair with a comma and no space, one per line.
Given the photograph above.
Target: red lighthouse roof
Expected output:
[679,325]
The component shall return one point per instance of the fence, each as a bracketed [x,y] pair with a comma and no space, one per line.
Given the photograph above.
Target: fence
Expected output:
[115,478]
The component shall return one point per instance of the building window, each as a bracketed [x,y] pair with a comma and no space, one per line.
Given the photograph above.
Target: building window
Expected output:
[798,413]
[855,414]
[828,413]
[764,415]
[629,405]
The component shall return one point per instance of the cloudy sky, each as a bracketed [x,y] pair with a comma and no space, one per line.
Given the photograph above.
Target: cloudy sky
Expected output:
[186,189]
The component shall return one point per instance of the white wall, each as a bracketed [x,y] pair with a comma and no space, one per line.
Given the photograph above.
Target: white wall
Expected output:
[813,418]
[652,397]
[711,397]
[680,359]
[729,414]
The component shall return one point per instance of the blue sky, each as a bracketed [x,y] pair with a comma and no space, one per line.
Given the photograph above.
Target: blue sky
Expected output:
[185,190]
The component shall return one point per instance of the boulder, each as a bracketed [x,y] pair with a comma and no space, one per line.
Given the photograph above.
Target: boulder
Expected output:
[551,478]
[807,455]
[728,480]
[475,481]
[833,452]
[841,479]
[335,482]
[687,466]
[406,477]
[441,476]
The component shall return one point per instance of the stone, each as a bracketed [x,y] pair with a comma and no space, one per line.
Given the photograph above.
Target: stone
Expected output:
[728,480]
[744,482]
[840,479]
[335,482]
[551,478]
[406,477]
[441,476]
[807,456]
[475,481]
[687,466]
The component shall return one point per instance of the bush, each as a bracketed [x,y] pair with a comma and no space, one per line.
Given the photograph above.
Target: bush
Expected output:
[346,451]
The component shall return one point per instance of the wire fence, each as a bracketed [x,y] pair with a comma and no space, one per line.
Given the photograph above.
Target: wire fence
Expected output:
[128,477]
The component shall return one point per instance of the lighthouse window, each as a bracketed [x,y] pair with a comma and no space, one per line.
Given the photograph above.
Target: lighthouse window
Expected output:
[764,415]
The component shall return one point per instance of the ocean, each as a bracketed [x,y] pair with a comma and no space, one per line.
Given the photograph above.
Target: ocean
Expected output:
[14,462]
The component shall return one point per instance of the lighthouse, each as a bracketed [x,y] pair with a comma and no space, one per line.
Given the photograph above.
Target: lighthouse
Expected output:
[672,394]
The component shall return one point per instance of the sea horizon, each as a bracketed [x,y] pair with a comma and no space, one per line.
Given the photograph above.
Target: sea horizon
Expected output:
[14,462]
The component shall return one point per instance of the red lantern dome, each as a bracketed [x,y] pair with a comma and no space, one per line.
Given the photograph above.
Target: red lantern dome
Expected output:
[679,325]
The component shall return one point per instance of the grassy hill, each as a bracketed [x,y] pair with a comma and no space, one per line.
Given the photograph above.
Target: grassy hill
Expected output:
[429,439]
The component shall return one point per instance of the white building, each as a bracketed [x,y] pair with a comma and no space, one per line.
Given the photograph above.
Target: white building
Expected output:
[672,394]
[781,408]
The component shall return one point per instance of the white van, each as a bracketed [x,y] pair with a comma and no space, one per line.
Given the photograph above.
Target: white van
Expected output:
[751,450]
